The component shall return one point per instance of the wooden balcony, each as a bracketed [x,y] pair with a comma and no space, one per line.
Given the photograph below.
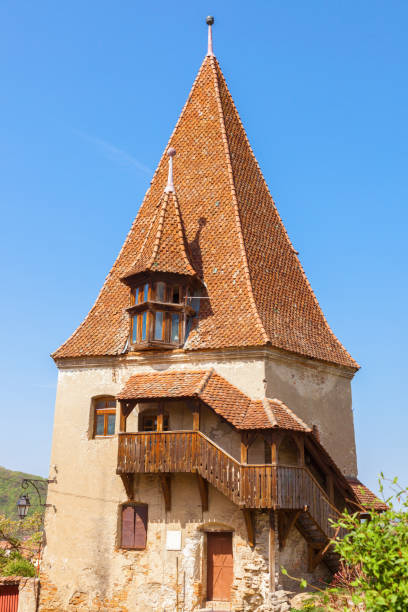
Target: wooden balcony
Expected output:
[277,487]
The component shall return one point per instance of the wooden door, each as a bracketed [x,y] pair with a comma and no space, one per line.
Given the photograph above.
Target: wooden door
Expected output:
[8,598]
[219,566]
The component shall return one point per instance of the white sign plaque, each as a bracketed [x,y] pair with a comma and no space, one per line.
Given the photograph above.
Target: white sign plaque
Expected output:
[173,540]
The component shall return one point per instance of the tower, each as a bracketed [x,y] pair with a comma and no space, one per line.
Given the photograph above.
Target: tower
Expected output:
[203,429]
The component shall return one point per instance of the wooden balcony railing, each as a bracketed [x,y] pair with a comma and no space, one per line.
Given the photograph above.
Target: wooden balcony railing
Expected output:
[249,486]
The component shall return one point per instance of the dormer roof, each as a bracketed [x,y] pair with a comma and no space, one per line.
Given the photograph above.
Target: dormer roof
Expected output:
[164,248]
[258,293]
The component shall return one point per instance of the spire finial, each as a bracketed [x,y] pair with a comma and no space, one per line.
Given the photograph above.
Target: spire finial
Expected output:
[171,151]
[210,21]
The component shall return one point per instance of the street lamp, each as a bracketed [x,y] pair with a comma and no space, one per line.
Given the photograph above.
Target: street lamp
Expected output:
[23,505]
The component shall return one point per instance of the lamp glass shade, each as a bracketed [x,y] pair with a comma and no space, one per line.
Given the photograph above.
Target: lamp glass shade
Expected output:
[23,505]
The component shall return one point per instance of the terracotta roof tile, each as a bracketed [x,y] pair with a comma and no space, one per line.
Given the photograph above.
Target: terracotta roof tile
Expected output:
[234,240]
[164,249]
[158,385]
[219,394]
[365,497]
[272,413]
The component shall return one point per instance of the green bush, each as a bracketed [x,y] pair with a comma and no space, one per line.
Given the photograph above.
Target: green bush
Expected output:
[19,567]
[374,560]
[380,547]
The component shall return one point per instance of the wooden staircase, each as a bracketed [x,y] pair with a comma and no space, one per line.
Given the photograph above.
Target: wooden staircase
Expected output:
[291,489]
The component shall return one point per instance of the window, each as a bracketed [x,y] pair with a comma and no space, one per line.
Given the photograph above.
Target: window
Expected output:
[105,416]
[161,292]
[160,314]
[146,292]
[159,325]
[133,526]
[149,422]
[139,328]
[175,329]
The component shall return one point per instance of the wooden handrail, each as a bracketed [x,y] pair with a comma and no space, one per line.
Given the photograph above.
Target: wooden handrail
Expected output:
[248,485]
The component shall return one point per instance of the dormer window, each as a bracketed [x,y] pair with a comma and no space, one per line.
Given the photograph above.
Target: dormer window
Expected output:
[160,312]
[162,279]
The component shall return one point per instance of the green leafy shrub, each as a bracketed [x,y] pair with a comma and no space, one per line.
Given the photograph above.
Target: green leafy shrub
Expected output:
[19,567]
[379,546]
[373,576]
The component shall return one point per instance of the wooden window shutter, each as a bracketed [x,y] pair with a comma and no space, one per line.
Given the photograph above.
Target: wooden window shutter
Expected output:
[128,531]
[134,526]
[140,526]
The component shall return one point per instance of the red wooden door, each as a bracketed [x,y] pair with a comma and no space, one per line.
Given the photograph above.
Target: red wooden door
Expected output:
[219,566]
[8,598]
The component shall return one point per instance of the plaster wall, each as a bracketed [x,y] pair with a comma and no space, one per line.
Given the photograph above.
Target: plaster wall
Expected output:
[321,396]
[83,567]
[92,572]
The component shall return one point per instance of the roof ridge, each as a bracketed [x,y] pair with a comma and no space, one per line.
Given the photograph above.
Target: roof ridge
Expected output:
[269,412]
[181,233]
[289,411]
[214,64]
[156,243]
[205,380]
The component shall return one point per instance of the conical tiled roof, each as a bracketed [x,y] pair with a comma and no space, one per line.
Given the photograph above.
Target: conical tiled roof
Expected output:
[258,291]
[164,249]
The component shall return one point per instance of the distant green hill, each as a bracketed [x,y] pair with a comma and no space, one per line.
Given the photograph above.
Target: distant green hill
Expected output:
[10,491]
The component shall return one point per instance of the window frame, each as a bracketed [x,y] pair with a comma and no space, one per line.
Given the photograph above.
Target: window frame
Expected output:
[148,308]
[152,415]
[106,412]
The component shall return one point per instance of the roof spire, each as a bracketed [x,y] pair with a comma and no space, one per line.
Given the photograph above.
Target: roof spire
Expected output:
[170,184]
[210,21]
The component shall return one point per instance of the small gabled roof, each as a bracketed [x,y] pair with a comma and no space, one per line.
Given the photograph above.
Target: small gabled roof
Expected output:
[164,248]
[224,398]
[365,497]
[272,413]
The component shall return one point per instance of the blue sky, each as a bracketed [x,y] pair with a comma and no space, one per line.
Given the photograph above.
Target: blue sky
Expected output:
[90,94]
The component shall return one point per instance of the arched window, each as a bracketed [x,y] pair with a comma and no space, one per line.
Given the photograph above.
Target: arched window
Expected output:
[104,416]
[288,451]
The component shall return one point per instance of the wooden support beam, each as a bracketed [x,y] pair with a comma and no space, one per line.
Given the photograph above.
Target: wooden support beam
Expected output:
[272,550]
[244,447]
[126,408]
[195,411]
[249,522]
[160,417]
[203,488]
[165,482]
[315,556]
[286,520]
[128,482]
[196,419]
